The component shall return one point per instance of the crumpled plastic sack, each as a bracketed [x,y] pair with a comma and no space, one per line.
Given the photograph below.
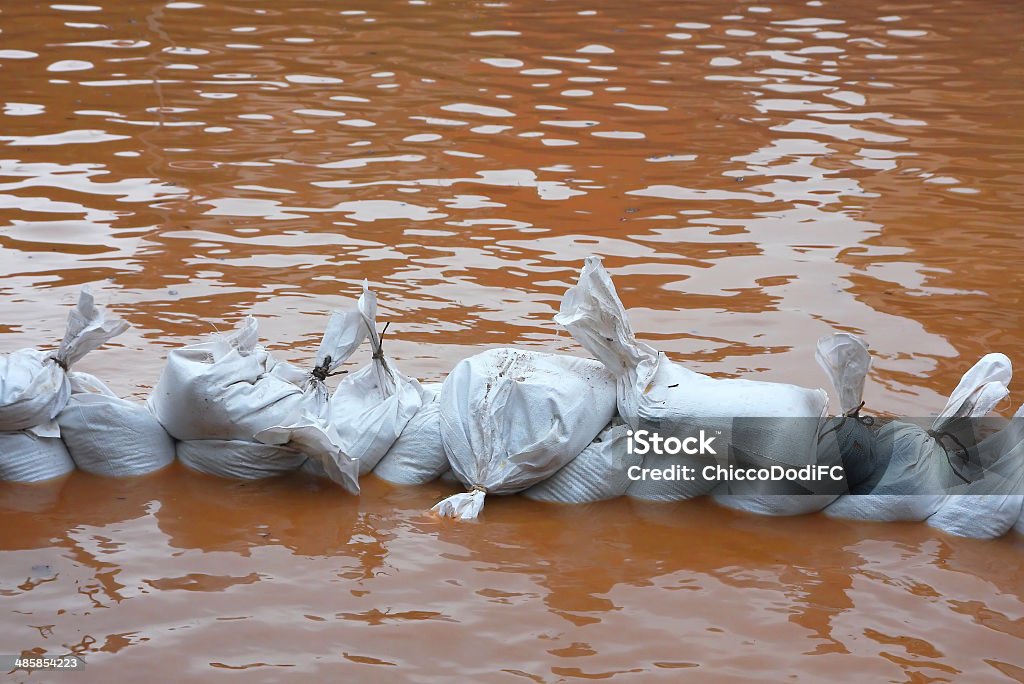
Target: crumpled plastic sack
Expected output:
[600,472]
[34,384]
[846,361]
[238,460]
[991,506]
[372,405]
[918,473]
[655,394]
[109,436]
[511,418]
[231,389]
[34,455]
[417,456]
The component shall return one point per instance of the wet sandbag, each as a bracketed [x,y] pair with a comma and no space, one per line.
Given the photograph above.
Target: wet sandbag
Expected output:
[372,405]
[846,361]
[34,455]
[237,459]
[109,436]
[34,385]
[230,388]
[918,474]
[511,418]
[660,396]
[417,456]
[990,506]
[600,472]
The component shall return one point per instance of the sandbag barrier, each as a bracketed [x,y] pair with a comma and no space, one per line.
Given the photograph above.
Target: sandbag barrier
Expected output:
[552,427]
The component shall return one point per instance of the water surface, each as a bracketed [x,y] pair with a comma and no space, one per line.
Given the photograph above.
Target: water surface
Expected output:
[756,176]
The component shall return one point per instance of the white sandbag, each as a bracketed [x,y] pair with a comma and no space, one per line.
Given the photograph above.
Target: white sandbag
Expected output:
[34,455]
[600,472]
[919,476]
[34,386]
[512,418]
[846,361]
[230,388]
[237,459]
[372,405]
[417,456]
[109,436]
[655,394]
[990,506]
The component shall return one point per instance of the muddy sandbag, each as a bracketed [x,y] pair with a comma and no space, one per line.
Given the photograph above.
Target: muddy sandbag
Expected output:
[417,456]
[918,472]
[239,460]
[109,436]
[34,455]
[230,388]
[372,405]
[600,472]
[511,418]
[846,361]
[989,507]
[34,385]
[663,397]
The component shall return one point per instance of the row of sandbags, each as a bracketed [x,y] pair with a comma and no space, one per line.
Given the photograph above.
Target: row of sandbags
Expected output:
[550,426]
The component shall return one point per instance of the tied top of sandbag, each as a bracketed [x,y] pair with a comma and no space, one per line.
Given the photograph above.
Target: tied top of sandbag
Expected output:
[593,314]
[980,389]
[368,311]
[346,330]
[846,361]
[87,329]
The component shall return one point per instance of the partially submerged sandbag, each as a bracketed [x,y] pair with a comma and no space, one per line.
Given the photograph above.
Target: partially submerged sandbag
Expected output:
[845,360]
[918,472]
[600,472]
[34,385]
[663,397]
[237,459]
[372,405]
[107,435]
[34,455]
[417,456]
[989,507]
[231,389]
[511,418]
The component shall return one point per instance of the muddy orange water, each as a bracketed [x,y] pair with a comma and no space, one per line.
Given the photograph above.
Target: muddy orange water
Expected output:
[755,176]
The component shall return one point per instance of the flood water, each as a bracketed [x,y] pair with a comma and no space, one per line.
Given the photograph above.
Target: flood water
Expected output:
[755,175]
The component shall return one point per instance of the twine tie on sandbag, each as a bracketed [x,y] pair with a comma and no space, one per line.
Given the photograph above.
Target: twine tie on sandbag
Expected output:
[323,371]
[962,452]
[378,353]
[866,421]
[478,488]
[63,365]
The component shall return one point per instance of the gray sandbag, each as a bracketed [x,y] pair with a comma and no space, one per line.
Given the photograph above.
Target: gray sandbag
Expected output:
[846,361]
[992,505]
[918,475]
